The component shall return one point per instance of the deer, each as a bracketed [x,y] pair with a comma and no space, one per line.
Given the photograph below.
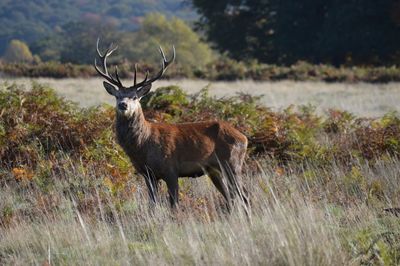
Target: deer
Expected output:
[162,151]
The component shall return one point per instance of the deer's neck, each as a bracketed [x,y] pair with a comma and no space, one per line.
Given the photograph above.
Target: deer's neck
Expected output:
[132,131]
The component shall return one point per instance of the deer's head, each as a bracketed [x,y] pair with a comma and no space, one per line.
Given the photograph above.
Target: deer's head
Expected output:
[127,98]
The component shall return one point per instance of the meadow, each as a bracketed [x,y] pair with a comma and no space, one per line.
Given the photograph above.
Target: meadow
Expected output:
[323,179]
[362,99]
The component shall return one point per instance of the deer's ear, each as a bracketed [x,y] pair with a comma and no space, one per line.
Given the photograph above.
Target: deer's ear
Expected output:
[144,90]
[110,88]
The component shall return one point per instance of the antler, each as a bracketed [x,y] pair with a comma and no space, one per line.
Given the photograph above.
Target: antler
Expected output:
[115,81]
[164,64]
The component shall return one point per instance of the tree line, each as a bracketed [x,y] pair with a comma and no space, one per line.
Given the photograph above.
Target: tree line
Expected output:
[33,20]
[338,32]
[281,32]
[76,43]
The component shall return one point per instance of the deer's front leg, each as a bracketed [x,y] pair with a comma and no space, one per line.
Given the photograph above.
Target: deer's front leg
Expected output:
[173,189]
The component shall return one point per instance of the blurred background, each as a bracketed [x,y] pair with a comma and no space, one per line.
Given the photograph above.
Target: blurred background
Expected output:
[238,35]
[331,54]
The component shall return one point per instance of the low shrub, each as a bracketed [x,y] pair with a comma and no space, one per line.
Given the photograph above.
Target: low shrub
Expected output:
[221,69]
[43,135]
[39,120]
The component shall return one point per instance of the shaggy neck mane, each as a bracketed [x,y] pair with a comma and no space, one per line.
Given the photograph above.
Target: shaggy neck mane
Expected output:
[132,131]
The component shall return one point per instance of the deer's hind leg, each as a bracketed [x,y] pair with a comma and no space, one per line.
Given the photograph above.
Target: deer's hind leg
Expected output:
[233,172]
[235,184]
[217,179]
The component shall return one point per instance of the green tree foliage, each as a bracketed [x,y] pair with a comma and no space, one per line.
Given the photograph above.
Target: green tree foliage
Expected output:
[332,31]
[232,27]
[76,42]
[35,19]
[80,39]
[18,52]
[157,30]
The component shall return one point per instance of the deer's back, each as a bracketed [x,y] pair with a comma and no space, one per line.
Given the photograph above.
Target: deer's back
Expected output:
[199,141]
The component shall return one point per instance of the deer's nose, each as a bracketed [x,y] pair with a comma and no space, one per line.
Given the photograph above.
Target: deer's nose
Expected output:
[122,106]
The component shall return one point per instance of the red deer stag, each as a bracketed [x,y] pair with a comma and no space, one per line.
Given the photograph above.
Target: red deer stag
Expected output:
[168,151]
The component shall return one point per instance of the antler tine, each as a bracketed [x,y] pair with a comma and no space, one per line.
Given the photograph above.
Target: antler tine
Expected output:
[162,53]
[164,64]
[117,82]
[117,75]
[111,49]
[134,75]
[97,47]
[167,62]
[173,54]
[172,58]
[144,82]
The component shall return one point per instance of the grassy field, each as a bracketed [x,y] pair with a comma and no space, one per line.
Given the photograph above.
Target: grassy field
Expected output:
[309,217]
[324,190]
[362,99]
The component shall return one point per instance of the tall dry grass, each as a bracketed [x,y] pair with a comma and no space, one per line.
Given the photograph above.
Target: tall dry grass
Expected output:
[308,216]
